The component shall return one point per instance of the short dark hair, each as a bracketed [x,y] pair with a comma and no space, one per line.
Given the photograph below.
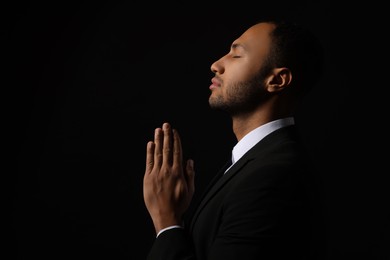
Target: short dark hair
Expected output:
[299,49]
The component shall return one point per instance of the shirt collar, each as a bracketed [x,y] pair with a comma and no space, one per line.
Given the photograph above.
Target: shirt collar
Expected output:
[254,136]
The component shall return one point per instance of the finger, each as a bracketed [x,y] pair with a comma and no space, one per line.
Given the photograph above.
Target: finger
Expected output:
[149,157]
[190,175]
[167,146]
[158,147]
[177,149]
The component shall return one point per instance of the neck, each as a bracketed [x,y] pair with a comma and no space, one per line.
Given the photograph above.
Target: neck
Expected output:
[242,124]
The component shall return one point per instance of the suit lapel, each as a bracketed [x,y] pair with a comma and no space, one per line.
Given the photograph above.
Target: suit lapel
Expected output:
[217,183]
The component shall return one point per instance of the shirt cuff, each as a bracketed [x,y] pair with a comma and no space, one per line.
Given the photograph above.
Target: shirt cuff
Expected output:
[167,228]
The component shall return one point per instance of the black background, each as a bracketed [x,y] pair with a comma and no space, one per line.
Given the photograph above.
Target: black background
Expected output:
[92,80]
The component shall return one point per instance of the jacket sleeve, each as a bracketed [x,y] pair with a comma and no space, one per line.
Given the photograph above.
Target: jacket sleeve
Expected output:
[162,248]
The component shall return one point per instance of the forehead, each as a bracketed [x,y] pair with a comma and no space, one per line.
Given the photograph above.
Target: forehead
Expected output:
[257,37]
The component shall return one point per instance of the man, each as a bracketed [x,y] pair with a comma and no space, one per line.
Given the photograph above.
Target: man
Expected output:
[260,205]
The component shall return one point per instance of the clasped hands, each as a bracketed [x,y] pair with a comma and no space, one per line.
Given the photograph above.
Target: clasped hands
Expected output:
[168,184]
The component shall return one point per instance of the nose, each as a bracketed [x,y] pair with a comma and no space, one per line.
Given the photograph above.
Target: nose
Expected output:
[217,67]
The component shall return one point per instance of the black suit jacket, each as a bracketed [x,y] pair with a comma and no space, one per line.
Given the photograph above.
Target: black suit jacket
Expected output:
[262,208]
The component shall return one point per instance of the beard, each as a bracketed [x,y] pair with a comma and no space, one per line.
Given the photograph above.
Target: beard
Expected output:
[241,97]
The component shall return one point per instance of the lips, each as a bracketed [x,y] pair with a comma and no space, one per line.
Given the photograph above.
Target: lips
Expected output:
[215,83]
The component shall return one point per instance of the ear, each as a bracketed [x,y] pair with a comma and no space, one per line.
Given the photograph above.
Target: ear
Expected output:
[279,79]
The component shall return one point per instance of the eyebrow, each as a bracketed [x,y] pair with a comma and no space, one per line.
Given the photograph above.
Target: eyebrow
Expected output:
[237,46]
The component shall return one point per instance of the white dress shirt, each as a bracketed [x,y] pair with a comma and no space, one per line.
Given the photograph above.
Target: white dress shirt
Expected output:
[254,136]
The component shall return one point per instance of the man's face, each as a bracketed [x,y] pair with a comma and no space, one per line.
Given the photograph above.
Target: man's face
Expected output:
[239,82]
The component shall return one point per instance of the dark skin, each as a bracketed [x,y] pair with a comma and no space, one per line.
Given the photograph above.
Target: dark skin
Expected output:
[168,185]
[168,180]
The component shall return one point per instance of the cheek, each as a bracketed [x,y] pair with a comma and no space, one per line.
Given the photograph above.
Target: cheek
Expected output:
[246,68]
[239,74]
